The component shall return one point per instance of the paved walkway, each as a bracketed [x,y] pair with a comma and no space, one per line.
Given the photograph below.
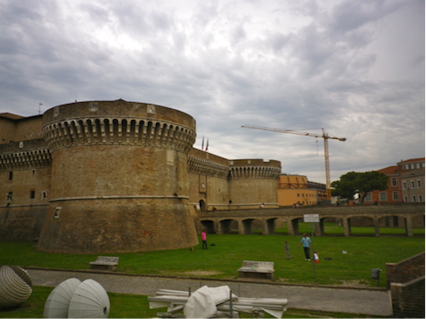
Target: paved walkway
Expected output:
[360,301]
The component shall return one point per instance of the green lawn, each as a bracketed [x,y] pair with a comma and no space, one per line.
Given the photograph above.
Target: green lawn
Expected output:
[223,259]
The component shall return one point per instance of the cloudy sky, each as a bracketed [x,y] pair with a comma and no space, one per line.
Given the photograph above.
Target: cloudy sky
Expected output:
[354,68]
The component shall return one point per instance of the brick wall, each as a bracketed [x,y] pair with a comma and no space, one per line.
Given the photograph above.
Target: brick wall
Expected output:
[408,300]
[406,270]
[406,282]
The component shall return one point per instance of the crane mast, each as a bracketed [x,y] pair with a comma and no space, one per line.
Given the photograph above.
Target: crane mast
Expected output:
[324,136]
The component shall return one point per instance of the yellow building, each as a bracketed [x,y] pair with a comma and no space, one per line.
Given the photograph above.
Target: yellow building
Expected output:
[297,190]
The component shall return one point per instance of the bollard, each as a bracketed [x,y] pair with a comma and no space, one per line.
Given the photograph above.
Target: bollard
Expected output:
[375,274]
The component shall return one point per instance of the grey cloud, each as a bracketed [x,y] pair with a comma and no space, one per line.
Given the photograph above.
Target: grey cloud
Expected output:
[349,16]
[229,64]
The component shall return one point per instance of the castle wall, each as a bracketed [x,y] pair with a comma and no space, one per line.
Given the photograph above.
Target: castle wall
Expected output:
[7,130]
[117,176]
[208,175]
[218,193]
[29,128]
[16,128]
[25,183]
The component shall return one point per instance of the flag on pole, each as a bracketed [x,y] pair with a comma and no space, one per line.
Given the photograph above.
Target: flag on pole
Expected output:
[207,145]
[202,144]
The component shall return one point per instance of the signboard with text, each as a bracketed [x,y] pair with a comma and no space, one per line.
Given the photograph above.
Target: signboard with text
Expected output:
[311,218]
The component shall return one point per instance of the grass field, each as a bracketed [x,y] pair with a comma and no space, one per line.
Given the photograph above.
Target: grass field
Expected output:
[224,258]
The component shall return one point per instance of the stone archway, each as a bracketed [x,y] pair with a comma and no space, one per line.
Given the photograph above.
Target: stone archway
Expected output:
[227,226]
[208,225]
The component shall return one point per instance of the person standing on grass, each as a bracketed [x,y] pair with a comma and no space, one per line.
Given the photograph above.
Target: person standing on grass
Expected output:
[316,258]
[204,238]
[287,250]
[306,241]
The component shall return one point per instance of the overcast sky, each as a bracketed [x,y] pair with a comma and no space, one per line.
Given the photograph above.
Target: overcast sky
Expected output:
[354,68]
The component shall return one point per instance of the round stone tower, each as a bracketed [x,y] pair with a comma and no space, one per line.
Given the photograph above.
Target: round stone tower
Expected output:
[254,181]
[119,178]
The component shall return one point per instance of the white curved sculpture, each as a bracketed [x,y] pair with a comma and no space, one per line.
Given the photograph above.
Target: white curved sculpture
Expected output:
[90,300]
[58,302]
[15,286]
[23,274]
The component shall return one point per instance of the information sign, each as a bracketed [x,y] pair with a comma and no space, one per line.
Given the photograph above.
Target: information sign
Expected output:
[311,218]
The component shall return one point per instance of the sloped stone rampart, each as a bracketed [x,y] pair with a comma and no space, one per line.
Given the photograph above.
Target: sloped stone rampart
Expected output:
[22,223]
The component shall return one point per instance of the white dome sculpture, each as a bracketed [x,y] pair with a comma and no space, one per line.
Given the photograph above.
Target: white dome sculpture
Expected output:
[90,300]
[58,302]
[15,286]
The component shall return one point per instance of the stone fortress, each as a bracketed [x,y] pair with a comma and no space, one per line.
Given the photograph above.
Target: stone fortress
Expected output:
[117,176]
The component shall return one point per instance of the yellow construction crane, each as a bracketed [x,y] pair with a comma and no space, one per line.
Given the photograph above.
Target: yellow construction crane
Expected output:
[324,135]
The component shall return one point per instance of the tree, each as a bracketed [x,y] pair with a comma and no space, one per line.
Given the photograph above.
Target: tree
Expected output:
[362,183]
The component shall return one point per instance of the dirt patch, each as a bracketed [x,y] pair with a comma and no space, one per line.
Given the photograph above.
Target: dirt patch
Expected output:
[201,273]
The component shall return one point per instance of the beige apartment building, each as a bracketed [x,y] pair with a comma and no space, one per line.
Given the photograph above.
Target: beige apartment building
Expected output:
[412,180]
[296,190]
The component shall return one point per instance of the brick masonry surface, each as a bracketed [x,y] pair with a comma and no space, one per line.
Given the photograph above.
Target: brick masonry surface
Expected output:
[406,281]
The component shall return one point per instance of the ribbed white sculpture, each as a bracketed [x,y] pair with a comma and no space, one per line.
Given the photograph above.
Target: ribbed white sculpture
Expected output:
[58,302]
[15,286]
[90,300]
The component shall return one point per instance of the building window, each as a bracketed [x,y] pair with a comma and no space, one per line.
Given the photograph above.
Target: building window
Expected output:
[32,194]
[413,185]
[10,176]
[368,197]
[404,185]
[383,197]
[405,199]
[414,198]
[57,212]
[395,195]
[420,198]
[393,182]
[9,196]
[419,184]
[44,195]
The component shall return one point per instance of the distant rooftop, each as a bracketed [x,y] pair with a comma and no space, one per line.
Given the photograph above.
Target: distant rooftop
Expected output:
[412,160]
[11,116]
